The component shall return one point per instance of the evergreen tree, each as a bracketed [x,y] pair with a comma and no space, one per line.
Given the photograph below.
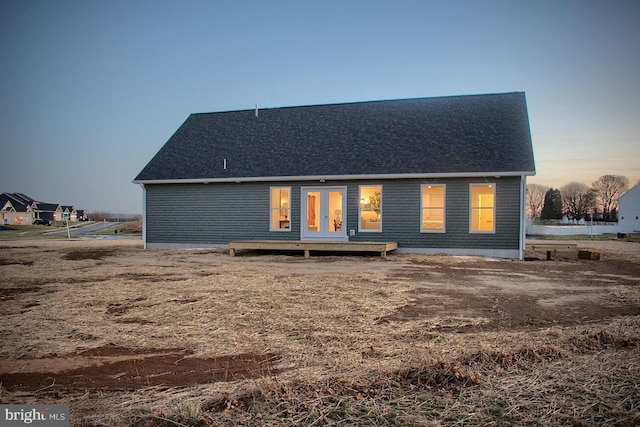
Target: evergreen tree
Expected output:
[552,208]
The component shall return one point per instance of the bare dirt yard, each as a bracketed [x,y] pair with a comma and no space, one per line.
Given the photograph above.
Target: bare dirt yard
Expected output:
[133,337]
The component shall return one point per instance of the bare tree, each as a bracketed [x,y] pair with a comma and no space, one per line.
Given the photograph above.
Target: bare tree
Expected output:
[98,216]
[608,188]
[535,199]
[578,200]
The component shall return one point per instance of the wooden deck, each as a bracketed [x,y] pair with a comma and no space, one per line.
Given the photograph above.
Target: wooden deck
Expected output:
[308,246]
[551,248]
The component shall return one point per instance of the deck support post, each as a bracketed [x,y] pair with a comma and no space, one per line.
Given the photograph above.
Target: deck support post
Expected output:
[308,246]
[551,249]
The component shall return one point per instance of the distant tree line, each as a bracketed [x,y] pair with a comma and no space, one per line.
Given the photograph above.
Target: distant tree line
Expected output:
[576,200]
[108,216]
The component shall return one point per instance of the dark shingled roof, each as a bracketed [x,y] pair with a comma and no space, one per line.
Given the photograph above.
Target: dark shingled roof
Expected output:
[456,135]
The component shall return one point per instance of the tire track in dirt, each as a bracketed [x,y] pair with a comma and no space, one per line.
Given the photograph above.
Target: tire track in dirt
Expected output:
[113,368]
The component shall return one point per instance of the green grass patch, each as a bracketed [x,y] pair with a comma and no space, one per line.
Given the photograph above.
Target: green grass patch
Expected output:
[28,231]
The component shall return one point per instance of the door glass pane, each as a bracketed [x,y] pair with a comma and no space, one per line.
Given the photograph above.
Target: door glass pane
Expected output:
[335,211]
[313,211]
[280,214]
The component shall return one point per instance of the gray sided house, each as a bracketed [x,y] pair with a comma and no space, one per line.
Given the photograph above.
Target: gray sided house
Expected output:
[435,175]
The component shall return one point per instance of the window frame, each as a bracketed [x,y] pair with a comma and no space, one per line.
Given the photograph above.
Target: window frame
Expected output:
[272,209]
[444,208]
[360,210]
[491,185]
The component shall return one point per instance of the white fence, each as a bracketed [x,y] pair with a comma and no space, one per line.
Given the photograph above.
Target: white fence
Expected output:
[571,230]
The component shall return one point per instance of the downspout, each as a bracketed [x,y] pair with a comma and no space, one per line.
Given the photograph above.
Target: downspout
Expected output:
[523,216]
[144,216]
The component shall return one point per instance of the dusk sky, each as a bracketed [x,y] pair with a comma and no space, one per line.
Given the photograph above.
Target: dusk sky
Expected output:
[91,90]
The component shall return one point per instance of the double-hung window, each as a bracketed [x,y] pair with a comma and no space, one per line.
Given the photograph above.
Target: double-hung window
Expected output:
[370,208]
[432,202]
[482,208]
[280,209]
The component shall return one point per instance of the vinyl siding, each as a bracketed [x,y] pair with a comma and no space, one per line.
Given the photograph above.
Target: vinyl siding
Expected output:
[211,214]
[401,215]
[214,214]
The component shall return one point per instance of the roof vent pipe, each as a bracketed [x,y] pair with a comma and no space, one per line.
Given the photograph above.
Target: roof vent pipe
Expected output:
[224,164]
[256,110]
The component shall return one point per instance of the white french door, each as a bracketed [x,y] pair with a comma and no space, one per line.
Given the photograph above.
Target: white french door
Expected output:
[324,213]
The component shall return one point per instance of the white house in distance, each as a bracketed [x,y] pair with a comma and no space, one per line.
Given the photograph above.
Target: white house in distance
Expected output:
[629,211]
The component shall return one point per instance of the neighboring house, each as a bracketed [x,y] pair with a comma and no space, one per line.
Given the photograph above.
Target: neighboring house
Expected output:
[435,175]
[18,208]
[568,219]
[15,209]
[629,211]
[68,212]
[47,210]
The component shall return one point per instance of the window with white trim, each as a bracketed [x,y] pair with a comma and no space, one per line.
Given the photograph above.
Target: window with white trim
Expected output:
[280,209]
[482,208]
[432,202]
[370,208]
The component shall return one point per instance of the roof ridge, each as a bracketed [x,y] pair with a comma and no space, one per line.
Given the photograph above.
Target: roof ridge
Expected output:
[372,101]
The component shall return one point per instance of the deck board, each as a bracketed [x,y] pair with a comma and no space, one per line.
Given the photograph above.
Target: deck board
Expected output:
[312,245]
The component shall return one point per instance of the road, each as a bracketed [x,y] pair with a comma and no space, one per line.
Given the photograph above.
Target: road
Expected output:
[86,230]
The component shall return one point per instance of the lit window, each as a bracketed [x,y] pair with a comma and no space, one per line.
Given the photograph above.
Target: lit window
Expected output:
[432,201]
[482,203]
[371,208]
[280,208]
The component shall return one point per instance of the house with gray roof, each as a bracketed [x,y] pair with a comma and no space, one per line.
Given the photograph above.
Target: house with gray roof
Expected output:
[435,175]
[20,209]
[15,208]
[50,211]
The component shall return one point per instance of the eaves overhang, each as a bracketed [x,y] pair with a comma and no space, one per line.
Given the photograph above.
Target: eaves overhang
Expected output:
[323,178]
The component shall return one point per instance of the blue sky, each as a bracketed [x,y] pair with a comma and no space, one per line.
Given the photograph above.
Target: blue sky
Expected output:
[91,90]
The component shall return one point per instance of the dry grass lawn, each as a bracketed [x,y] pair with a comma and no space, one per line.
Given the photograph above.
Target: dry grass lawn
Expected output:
[137,337]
